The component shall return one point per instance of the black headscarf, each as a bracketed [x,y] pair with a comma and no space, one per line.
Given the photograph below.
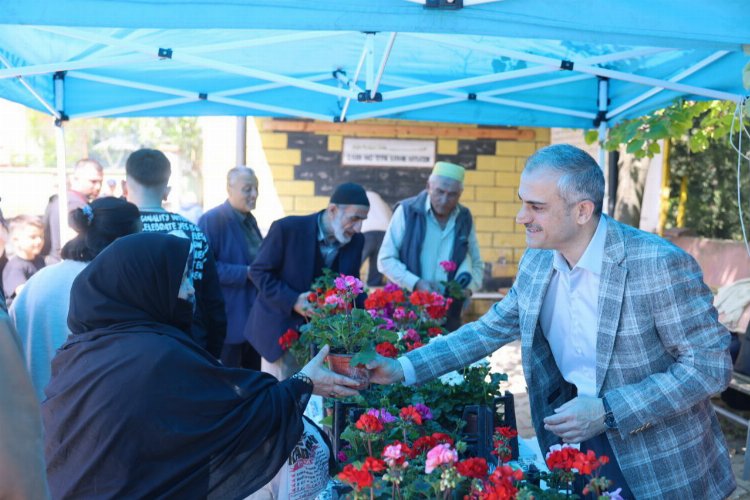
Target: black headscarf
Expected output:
[136,409]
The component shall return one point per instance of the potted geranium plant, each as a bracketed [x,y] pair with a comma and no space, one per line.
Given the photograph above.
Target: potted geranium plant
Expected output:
[351,332]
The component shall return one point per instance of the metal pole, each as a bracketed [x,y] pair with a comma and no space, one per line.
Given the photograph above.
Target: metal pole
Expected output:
[241,151]
[62,180]
[603,102]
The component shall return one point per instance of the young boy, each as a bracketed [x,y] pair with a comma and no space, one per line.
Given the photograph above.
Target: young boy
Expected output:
[27,237]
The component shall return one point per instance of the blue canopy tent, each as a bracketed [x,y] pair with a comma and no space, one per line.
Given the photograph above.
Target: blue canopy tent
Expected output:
[510,62]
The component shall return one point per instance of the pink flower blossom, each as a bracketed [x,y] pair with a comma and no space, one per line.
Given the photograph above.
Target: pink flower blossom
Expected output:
[341,456]
[411,335]
[448,266]
[334,300]
[399,313]
[439,455]
[391,287]
[349,284]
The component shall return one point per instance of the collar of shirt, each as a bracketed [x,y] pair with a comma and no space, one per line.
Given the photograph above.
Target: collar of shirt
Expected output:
[592,257]
[323,237]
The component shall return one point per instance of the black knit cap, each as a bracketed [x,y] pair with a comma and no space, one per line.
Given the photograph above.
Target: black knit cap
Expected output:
[350,193]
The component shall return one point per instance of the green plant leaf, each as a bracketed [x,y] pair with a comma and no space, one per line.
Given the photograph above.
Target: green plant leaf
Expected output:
[363,357]
[591,136]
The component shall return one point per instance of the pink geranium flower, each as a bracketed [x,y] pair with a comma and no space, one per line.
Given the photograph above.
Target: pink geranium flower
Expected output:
[440,455]
[448,266]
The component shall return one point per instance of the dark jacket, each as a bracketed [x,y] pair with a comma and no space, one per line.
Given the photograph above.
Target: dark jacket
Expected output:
[227,243]
[288,262]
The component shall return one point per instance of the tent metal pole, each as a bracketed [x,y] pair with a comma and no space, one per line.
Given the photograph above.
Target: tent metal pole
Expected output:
[409,107]
[536,107]
[43,69]
[383,62]
[586,67]
[31,90]
[602,104]
[62,180]
[241,151]
[401,82]
[465,82]
[204,62]
[268,108]
[531,86]
[369,60]
[110,112]
[678,77]
[361,62]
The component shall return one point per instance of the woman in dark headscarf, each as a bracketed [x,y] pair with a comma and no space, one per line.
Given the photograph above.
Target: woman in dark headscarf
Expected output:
[136,409]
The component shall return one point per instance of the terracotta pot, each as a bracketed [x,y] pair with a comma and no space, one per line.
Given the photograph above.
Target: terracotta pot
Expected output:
[341,364]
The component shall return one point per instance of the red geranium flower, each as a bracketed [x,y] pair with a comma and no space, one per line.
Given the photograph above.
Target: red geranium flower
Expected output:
[411,414]
[290,337]
[434,331]
[386,349]
[373,464]
[369,423]
[357,478]
[472,467]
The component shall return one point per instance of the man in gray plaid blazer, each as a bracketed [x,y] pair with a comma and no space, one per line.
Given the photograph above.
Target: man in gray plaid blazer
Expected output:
[621,345]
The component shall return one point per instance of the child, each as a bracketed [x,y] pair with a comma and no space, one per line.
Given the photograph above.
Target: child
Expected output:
[27,237]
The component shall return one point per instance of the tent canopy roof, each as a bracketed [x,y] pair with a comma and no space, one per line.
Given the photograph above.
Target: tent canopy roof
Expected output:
[494,63]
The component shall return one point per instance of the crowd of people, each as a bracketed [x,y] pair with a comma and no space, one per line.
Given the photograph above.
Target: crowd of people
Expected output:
[153,344]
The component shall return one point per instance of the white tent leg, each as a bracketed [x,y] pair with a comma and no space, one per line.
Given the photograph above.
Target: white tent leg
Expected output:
[62,180]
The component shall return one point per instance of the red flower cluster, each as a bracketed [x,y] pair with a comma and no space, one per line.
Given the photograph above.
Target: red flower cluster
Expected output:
[387,350]
[435,304]
[357,478]
[568,458]
[501,441]
[501,484]
[411,414]
[434,331]
[472,467]
[369,423]
[382,298]
[290,337]
[373,464]
[426,443]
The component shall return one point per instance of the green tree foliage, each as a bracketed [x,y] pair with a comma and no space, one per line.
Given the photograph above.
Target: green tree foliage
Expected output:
[110,140]
[711,208]
[699,132]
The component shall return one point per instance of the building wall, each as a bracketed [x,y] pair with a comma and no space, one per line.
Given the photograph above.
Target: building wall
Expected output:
[305,163]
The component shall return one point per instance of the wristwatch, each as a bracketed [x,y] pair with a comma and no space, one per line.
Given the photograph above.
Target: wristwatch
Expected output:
[609,418]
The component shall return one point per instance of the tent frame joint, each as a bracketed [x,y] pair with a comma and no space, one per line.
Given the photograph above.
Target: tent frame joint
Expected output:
[63,118]
[367,96]
[164,53]
[566,65]
[472,96]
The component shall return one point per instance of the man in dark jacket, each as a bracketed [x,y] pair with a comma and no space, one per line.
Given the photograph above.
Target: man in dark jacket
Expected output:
[234,239]
[293,255]
[147,173]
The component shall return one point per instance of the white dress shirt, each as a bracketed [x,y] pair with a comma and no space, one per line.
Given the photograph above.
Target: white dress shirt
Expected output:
[569,316]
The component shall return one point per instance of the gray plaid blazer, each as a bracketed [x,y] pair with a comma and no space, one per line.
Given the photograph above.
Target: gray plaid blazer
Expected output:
[661,354]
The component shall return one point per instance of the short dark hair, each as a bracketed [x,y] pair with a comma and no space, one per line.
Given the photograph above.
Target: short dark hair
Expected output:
[148,167]
[108,219]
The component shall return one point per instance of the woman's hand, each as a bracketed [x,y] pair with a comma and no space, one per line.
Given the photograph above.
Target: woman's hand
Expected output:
[327,383]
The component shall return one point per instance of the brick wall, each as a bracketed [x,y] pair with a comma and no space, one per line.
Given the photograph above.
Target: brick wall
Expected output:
[305,162]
